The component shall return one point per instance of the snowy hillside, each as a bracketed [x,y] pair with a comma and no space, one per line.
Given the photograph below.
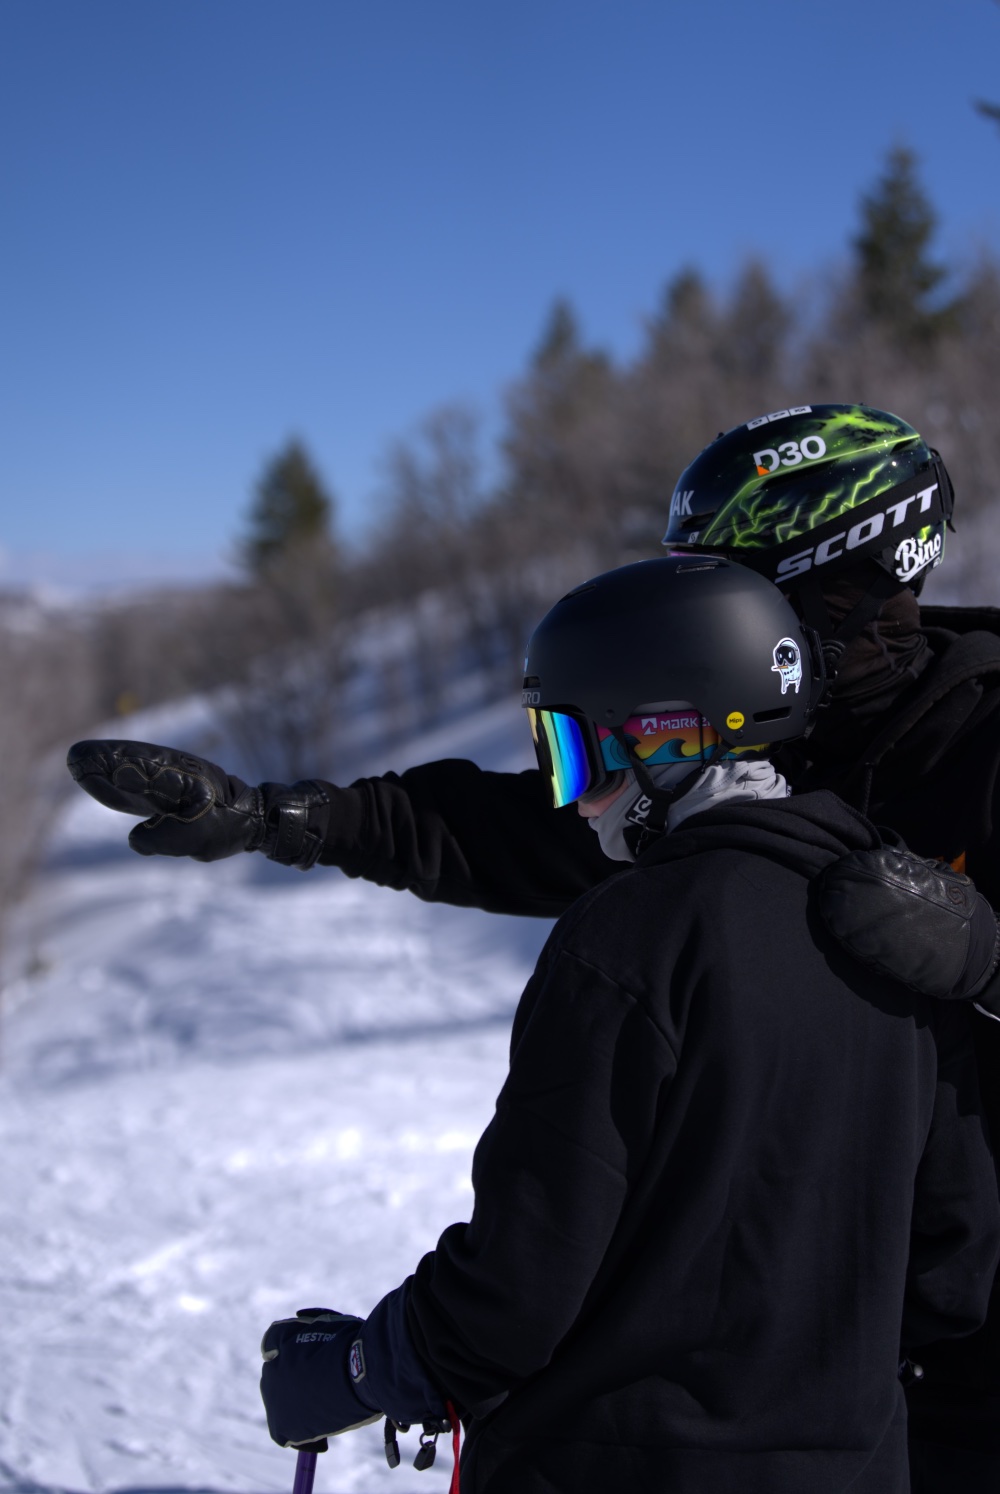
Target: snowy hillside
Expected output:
[227,1092]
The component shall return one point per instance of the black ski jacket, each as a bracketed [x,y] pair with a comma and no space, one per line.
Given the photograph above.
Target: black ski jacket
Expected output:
[450,832]
[729,1173]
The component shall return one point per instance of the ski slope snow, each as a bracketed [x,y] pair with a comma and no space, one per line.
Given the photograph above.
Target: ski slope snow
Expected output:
[227,1092]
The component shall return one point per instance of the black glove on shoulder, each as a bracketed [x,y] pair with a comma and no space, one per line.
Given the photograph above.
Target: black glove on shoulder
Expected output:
[914,920]
[312,1382]
[191,807]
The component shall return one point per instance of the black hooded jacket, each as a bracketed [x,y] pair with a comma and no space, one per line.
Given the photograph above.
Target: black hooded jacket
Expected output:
[728,1174]
[927,766]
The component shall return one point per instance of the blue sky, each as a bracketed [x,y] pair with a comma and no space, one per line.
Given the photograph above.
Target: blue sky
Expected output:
[228,221]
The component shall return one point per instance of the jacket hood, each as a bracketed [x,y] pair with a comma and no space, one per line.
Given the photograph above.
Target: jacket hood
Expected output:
[805,833]
[946,702]
[953,694]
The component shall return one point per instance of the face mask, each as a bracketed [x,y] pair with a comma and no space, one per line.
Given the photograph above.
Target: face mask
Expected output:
[732,779]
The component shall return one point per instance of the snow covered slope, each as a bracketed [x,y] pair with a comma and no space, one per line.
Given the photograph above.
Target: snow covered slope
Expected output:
[227,1092]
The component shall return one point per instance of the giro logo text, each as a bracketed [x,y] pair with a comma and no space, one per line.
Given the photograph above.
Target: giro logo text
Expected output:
[789,454]
[858,534]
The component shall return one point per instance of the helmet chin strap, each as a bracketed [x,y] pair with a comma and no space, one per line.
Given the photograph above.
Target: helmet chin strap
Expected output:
[660,799]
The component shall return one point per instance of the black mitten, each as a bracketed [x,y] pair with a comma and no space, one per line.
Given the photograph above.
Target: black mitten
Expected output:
[191,807]
[913,919]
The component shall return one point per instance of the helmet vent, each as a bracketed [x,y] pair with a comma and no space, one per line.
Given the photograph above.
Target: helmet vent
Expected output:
[779,714]
[701,564]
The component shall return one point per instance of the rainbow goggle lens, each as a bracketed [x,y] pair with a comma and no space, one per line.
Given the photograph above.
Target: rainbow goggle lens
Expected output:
[576,756]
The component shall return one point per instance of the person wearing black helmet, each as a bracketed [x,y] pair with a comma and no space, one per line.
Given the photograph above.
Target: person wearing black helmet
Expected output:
[730,1172]
[847,508]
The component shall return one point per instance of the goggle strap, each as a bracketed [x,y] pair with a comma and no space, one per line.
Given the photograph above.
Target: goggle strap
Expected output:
[945,488]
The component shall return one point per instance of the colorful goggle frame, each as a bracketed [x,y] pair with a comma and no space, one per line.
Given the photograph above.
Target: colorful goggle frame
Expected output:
[576,756]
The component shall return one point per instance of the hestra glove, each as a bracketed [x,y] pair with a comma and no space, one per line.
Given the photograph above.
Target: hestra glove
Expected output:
[312,1382]
[191,807]
[914,920]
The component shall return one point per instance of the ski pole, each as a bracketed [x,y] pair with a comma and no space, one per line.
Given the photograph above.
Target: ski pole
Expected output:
[305,1466]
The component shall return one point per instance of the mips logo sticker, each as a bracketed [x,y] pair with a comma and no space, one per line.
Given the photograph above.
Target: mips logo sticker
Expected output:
[787,663]
[735,720]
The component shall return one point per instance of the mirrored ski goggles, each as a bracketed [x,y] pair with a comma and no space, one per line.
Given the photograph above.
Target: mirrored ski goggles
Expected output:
[576,757]
[567,753]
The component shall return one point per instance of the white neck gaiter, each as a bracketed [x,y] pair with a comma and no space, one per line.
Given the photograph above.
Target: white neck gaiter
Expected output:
[732,779]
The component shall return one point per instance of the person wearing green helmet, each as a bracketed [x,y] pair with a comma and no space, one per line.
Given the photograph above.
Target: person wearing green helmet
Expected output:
[846,508]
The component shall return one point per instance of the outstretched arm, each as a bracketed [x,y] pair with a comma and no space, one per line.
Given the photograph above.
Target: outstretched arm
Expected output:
[447,831]
[451,832]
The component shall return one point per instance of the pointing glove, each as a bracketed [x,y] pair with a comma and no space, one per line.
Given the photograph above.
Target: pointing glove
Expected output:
[914,920]
[191,807]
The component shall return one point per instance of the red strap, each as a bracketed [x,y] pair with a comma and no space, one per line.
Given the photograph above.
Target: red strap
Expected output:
[456,1432]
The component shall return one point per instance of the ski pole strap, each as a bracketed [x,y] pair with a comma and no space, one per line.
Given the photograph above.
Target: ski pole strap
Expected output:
[456,1433]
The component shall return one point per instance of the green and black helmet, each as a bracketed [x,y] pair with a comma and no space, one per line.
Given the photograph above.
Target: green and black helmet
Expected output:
[804,493]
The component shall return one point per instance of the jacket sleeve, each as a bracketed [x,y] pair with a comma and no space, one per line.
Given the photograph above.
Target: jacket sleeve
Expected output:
[955,1232]
[551,1173]
[451,832]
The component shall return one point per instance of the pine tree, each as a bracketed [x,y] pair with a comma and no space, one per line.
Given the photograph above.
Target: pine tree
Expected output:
[565,380]
[988,111]
[686,326]
[756,326]
[559,343]
[896,281]
[291,510]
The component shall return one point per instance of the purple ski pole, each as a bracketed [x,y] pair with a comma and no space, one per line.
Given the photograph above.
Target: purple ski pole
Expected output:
[305,1466]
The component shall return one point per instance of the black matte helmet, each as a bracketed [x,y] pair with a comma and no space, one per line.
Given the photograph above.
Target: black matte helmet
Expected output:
[804,493]
[695,629]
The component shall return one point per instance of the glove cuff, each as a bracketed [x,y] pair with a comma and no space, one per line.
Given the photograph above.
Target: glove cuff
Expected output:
[397,1379]
[294,822]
